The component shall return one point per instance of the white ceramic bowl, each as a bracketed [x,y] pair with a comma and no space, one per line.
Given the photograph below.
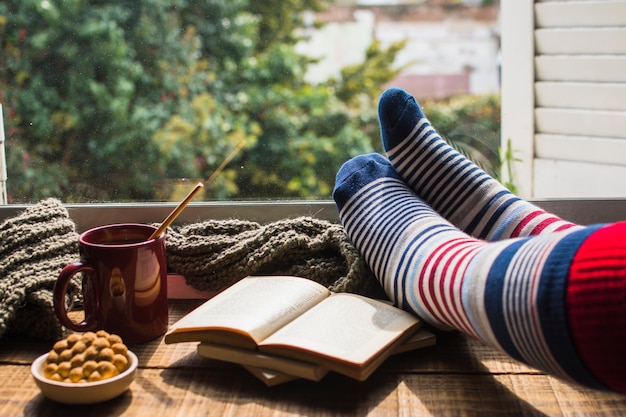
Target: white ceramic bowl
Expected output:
[84,393]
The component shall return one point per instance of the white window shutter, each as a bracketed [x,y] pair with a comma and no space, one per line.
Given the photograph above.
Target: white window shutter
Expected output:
[573,142]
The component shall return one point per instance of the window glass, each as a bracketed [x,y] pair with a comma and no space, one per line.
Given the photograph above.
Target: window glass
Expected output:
[123,101]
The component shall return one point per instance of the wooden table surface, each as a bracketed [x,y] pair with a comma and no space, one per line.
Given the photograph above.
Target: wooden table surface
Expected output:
[457,377]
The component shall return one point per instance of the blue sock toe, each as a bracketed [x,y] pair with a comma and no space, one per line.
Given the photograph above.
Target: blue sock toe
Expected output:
[398,113]
[357,173]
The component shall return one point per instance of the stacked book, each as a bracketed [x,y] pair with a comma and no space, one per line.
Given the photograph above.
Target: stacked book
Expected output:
[281,328]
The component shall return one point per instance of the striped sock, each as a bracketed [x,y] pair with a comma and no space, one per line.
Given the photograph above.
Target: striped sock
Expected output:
[453,185]
[554,301]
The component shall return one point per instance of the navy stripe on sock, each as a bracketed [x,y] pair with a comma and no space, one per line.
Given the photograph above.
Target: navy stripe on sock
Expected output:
[415,141]
[413,251]
[436,185]
[439,168]
[458,199]
[393,223]
[481,215]
[552,308]
[455,189]
[494,293]
[426,163]
[415,159]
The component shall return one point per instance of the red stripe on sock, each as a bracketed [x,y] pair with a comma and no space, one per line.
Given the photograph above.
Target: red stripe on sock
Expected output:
[458,316]
[430,283]
[436,286]
[525,221]
[460,271]
[564,227]
[541,226]
[596,303]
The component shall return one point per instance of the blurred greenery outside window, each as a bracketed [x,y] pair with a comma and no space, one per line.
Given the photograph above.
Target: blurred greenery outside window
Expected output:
[124,101]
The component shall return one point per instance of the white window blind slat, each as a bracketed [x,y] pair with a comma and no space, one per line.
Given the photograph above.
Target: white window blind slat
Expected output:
[566,179]
[588,95]
[603,123]
[580,14]
[581,41]
[596,150]
[611,69]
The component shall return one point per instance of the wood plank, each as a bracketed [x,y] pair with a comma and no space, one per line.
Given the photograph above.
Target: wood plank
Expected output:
[588,95]
[581,41]
[610,124]
[578,179]
[525,396]
[460,376]
[233,392]
[580,68]
[468,353]
[580,13]
[581,148]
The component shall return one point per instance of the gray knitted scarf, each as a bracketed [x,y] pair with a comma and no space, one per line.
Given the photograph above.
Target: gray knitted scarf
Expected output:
[215,254]
[34,247]
[36,244]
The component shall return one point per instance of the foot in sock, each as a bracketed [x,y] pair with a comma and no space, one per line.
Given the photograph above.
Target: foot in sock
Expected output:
[554,301]
[449,182]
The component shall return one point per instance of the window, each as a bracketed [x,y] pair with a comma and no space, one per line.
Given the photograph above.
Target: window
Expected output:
[189,74]
[117,101]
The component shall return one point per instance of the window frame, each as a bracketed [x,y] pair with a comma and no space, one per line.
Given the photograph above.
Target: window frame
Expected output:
[91,215]
[583,211]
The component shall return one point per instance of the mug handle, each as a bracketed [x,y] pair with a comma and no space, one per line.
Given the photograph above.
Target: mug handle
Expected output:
[60,290]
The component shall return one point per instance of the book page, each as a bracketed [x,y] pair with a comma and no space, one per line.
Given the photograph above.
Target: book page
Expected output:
[270,377]
[302,369]
[256,306]
[347,327]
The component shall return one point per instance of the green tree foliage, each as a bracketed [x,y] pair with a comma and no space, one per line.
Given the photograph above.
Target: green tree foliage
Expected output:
[471,124]
[82,97]
[105,100]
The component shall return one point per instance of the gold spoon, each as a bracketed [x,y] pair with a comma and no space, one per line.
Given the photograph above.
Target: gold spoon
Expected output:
[169,219]
[179,208]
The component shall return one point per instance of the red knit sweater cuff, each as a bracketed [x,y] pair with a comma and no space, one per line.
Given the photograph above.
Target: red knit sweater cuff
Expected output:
[596,304]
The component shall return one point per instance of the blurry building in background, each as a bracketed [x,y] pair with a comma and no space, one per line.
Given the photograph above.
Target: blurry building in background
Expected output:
[452,46]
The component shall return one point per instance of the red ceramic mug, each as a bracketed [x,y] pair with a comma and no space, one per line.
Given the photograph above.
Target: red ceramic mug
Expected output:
[124,283]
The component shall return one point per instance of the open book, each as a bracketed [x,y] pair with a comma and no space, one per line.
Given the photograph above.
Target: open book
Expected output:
[296,320]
